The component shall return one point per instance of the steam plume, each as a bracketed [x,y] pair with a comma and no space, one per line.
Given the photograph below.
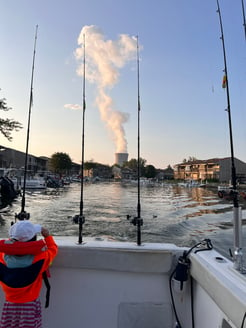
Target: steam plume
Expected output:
[104,59]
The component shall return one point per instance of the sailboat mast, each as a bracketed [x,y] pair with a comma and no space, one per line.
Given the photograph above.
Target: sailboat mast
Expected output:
[23,215]
[81,214]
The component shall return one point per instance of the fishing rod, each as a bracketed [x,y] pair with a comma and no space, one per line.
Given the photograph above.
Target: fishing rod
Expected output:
[244,20]
[138,221]
[236,208]
[23,215]
[80,219]
[226,86]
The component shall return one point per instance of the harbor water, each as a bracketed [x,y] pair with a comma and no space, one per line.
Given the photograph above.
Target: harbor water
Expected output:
[170,213]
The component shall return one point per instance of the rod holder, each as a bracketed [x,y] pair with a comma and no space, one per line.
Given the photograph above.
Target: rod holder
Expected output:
[238,247]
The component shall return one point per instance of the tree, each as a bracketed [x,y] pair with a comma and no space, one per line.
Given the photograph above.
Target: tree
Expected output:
[190,159]
[8,125]
[150,171]
[60,163]
[89,164]
[133,165]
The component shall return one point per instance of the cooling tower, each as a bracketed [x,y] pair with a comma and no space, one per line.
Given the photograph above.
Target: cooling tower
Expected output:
[120,158]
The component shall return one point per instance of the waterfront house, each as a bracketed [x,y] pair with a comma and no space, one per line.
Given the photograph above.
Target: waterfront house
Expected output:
[217,169]
[11,158]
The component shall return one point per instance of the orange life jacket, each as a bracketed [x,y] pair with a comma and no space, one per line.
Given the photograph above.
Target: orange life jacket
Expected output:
[12,247]
[22,285]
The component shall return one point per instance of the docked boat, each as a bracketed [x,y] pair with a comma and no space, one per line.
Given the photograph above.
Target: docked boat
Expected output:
[16,178]
[190,184]
[30,182]
[35,183]
[8,192]
[227,193]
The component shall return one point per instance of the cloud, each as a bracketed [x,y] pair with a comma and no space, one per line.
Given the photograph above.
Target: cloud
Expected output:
[73,106]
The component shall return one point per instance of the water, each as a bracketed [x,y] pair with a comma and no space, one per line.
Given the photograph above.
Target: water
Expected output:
[170,213]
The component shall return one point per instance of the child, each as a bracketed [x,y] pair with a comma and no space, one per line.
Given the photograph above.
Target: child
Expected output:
[21,273]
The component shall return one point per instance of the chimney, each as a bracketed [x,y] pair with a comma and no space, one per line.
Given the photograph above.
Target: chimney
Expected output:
[120,158]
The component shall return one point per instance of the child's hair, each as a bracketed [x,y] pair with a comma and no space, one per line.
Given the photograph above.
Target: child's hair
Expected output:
[33,238]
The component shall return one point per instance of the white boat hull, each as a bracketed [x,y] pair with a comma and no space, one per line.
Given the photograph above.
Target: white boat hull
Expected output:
[30,183]
[109,285]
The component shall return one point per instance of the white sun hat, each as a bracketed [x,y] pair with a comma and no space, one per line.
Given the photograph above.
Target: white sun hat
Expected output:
[24,230]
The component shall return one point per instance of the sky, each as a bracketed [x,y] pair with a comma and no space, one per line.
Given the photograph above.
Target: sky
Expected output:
[183,105]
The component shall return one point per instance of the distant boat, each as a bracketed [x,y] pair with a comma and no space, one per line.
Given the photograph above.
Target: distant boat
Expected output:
[190,184]
[35,183]
[227,192]
[16,177]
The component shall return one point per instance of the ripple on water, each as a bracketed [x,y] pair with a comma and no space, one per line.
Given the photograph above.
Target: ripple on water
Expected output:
[170,213]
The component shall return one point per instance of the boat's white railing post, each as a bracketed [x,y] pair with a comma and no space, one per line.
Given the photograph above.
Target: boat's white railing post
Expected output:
[238,247]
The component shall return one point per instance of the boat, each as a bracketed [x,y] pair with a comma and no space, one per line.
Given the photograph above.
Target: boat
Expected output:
[100,283]
[189,184]
[108,284]
[8,192]
[226,192]
[8,189]
[34,183]
[16,177]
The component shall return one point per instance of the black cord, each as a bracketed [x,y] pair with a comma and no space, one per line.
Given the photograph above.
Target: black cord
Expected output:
[172,298]
[208,245]
[186,262]
[244,317]
[192,302]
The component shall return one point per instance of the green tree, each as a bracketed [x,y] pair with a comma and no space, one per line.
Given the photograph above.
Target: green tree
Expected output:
[8,125]
[133,165]
[60,163]
[190,159]
[150,171]
[89,164]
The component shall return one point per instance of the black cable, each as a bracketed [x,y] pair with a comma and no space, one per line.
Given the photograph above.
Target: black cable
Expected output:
[184,264]
[244,317]
[172,298]
[192,302]
[208,245]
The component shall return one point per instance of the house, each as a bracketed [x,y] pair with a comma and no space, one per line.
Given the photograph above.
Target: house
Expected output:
[218,169]
[99,171]
[11,158]
[165,174]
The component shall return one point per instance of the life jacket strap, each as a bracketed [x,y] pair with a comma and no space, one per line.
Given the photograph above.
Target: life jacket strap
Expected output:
[47,284]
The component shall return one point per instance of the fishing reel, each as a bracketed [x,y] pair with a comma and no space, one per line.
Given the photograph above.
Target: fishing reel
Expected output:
[22,216]
[135,221]
[78,219]
[181,272]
